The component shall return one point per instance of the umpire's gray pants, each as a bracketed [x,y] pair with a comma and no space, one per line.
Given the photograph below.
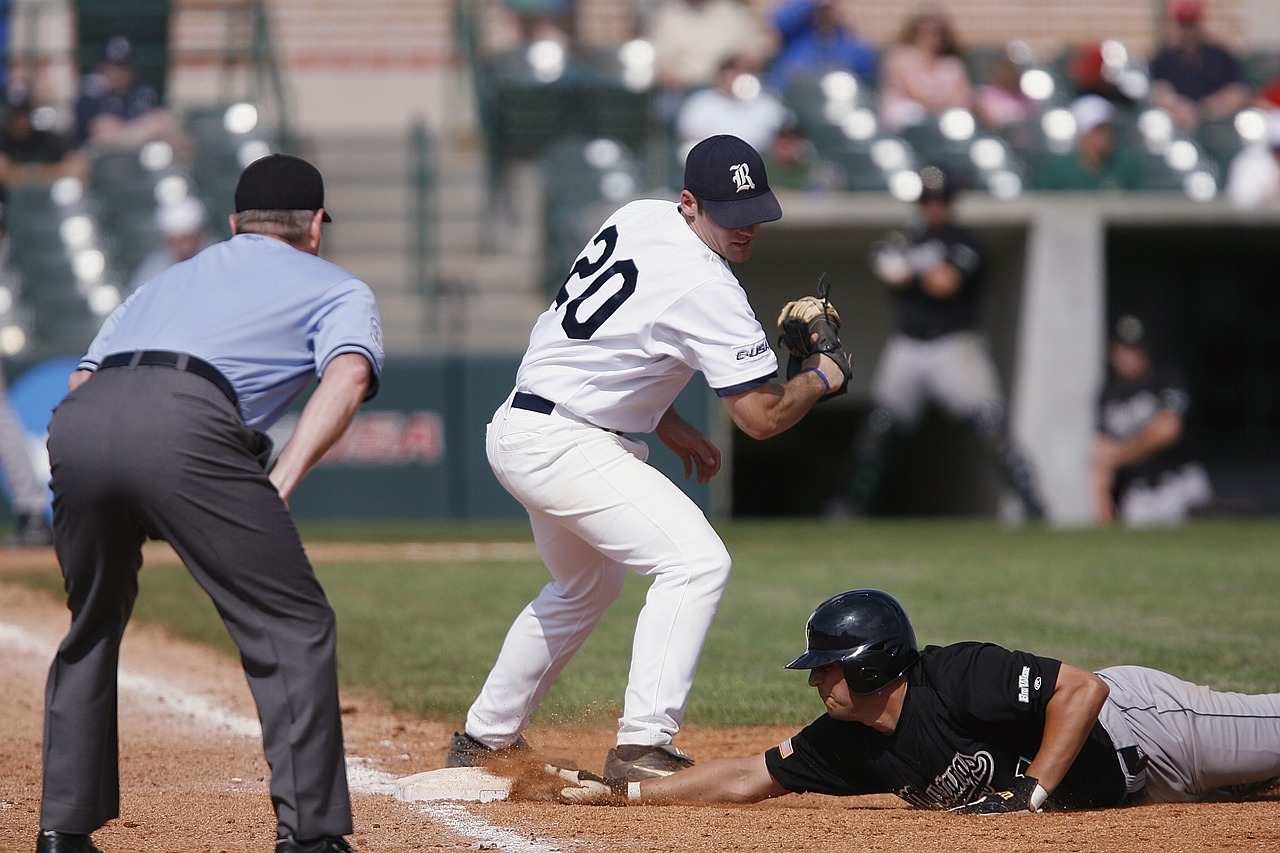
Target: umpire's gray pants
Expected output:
[152,451]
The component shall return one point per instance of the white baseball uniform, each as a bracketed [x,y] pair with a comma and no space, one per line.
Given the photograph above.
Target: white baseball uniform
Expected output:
[645,306]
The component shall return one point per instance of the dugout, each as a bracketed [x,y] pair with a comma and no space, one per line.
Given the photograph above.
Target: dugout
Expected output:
[1060,268]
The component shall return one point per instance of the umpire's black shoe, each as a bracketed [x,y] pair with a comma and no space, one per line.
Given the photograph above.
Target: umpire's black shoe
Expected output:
[634,763]
[49,841]
[466,751]
[332,844]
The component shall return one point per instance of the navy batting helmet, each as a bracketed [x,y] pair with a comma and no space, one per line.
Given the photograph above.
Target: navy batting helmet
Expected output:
[865,629]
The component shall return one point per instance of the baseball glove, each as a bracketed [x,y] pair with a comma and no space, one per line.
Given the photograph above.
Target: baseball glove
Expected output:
[811,325]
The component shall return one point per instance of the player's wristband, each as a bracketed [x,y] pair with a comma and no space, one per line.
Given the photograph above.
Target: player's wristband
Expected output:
[826,386]
[633,792]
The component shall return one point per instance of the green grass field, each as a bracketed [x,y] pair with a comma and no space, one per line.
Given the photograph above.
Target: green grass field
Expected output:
[1199,601]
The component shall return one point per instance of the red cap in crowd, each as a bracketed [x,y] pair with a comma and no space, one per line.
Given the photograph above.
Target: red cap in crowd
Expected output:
[1188,11]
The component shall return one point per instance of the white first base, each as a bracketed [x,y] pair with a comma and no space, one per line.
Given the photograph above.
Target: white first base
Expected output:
[472,784]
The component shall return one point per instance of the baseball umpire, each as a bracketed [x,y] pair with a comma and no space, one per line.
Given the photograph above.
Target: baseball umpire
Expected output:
[161,437]
[650,300]
[980,729]
[937,352]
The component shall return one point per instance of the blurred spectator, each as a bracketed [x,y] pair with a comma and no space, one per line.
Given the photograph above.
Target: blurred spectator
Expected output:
[1144,472]
[536,20]
[737,104]
[1253,178]
[923,74]
[1269,95]
[32,150]
[1194,78]
[793,162]
[1096,162]
[1088,75]
[815,37]
[181,224]
[692,38]
[1000,100]
[115,109]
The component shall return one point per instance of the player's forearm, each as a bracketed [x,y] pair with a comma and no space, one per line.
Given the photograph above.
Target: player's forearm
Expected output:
[1165,429]
[324,419]
[78,378]
[775,407]
[1069,718]
[742,779]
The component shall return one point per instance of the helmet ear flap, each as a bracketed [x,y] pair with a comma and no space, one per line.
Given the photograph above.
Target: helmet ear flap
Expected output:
[869,669]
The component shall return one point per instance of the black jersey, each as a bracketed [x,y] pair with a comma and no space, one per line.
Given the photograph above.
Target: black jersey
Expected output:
[1126,406]
[926,317]
[970,724]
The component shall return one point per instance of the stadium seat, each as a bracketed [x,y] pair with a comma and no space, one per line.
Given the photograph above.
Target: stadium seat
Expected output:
[1220,140]
[978,158]
[587,179]
[1261,66]
[615,92]
[58,300]
[228,136]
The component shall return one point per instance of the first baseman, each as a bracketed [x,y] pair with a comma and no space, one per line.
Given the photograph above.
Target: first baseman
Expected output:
[161,437]
[651,300]
[980,729]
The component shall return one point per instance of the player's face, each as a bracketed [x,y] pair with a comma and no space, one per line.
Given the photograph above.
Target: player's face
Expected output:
[732,244]
[871,709]
[935,212]
[1130,362]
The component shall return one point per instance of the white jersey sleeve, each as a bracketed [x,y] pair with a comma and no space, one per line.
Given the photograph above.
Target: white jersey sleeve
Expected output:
[644,306]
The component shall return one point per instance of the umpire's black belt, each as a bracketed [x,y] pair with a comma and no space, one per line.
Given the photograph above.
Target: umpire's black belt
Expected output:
[176,360]
[543,406]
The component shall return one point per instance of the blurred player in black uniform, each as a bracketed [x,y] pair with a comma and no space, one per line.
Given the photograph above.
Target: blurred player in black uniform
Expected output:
[1143,470]
[937,352]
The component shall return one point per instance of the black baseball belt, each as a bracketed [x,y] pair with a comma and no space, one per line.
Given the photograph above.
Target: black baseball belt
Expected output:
[178,361]
[543,406]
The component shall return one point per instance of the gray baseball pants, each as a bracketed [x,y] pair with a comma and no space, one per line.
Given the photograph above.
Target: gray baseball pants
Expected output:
[156,452]
[1196,740]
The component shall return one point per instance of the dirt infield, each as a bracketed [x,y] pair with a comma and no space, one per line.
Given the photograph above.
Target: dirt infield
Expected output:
[195,781]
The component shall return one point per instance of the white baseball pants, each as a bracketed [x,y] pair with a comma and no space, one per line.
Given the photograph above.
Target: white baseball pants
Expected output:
[597,509]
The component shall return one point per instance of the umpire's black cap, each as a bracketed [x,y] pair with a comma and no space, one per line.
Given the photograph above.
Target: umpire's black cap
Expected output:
[727,177]
[280,182]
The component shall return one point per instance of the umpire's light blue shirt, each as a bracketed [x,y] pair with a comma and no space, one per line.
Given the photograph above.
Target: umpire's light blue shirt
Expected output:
[266,315]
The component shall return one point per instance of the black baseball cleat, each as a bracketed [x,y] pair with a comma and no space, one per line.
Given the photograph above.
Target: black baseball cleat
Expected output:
[332,844]
[634,763]
[466,751]
[50,841]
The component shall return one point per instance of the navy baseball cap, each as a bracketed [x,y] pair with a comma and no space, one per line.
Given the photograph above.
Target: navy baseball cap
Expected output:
[728,178]
[280,182]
